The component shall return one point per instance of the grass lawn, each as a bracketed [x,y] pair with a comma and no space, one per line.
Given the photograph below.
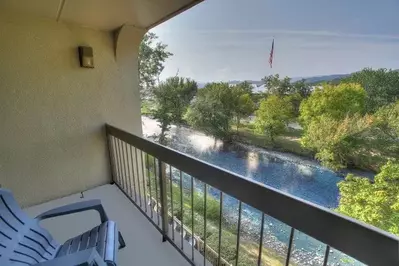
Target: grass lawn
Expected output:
[288,142]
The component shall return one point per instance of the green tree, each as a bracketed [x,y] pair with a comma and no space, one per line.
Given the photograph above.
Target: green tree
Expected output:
[246,87]
[275,85]
[212,110]
[334,140]
[302,88]
[152,56]
[297,91]
[171,99]
[381,85]
[273,115]
[376,203]
[242,106]
[387,120]
[336,102]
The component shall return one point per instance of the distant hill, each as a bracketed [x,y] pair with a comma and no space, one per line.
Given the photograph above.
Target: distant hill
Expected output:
[235,82]
[320,79]
[258,84]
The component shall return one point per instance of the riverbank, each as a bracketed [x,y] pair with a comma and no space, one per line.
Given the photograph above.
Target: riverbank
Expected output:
[290,142]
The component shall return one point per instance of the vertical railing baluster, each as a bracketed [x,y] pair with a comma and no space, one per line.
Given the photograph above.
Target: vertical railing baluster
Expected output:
[238,231]
[117,160]
[287,262]
[192,218]
[111,157]
[138,175]
[133,175]
[149,184]
[181,209]
[130,173]
[326,255]
[156,190]
[261,239]
[126,166]
[171,201]
[205,195]
[123,175]
[220,227]
[163,198]
[144,180]
[124,161]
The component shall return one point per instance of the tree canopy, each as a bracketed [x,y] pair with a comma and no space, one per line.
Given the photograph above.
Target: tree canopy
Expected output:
[246,87]
[336,102]
[243,106]
[152,56]
[277,86]
[171,99]
[212,110]
[381,85]
[387,120]
[273,115]
[334,140]
[376,203]
[217,106]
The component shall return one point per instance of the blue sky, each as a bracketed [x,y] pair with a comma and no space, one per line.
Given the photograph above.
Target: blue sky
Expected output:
[221,40]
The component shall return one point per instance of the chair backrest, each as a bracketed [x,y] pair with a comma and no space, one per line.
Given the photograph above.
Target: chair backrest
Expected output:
[22,240]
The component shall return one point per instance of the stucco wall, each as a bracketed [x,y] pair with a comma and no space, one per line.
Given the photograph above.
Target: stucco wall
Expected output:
[52,112]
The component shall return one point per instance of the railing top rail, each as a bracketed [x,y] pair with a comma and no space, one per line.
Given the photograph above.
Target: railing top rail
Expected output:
[363,242]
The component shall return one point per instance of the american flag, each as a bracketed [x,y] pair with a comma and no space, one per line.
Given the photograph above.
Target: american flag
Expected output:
[271,55]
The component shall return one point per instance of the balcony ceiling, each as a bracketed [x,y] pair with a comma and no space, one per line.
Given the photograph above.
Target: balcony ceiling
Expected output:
[101,14]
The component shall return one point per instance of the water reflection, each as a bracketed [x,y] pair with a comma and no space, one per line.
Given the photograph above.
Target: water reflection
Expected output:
[289,174]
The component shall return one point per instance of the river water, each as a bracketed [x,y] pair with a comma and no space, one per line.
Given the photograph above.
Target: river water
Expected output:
[294,175]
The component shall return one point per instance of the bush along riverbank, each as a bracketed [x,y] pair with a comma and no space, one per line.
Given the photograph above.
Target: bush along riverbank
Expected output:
[290,142]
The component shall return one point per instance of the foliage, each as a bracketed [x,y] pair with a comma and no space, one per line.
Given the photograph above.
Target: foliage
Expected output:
[387,120]
[246,87]
[302,88]
[296,91]
[215,107]
[171,99]
[335,102]
[375,203]
[277,86]
[152,56]
[273,115]
[243,106]
[334,140]
[381,85]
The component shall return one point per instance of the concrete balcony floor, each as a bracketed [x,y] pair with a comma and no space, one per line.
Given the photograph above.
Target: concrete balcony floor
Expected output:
[144,244]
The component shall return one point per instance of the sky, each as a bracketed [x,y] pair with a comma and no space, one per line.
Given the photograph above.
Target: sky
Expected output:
[222,40]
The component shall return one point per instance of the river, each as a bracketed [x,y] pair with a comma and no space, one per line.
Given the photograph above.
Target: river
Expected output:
[289,173]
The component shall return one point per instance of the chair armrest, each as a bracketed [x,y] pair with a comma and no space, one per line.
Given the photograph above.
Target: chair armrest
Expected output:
[74,208]
[82,258]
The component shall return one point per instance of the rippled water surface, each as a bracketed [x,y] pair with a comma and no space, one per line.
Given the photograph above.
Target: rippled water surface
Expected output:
[291,174]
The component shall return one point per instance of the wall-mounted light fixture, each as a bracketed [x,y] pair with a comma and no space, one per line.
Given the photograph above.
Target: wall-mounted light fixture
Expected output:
[86,56]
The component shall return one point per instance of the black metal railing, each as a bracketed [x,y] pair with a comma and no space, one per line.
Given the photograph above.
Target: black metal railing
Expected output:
[216,217]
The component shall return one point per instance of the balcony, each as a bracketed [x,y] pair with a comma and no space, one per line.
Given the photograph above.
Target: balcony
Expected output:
[145,176]
[172,209]
[141,236]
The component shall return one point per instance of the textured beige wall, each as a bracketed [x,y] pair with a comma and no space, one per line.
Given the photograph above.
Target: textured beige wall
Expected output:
[52,112]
